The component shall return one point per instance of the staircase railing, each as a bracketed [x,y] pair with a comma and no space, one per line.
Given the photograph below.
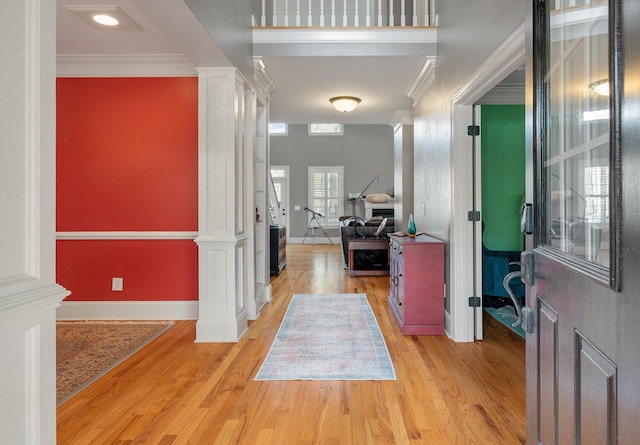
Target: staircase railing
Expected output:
[347,13]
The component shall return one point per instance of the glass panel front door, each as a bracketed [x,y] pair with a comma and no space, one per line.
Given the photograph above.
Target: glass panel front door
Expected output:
[576,154]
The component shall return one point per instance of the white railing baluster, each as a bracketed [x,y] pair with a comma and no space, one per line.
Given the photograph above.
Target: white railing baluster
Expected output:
[333,12]
[426,12]
[414,18]
[356,16]
[275,14]
[409,13]
[286,13]
[368,19]
[344,13]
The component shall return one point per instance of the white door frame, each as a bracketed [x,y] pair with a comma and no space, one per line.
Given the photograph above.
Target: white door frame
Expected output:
[509,56]
[286,194]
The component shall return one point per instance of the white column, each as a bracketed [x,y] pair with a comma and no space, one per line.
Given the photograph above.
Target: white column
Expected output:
[263,17]
[391,18]
[222,237]
[403,14]
[29,294]
[297,12]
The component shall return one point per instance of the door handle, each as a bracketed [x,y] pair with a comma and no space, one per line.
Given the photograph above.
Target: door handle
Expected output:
[527,270]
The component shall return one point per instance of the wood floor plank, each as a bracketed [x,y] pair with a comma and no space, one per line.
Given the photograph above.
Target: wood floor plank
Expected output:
[175,391]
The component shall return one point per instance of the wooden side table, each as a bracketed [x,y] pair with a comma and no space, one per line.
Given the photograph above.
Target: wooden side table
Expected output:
[380,265]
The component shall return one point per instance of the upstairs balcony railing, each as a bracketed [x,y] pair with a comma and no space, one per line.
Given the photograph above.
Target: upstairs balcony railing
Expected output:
[347,13]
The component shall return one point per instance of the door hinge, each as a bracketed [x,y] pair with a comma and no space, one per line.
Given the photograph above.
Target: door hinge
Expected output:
[473,130]
[473,215]
[475,302]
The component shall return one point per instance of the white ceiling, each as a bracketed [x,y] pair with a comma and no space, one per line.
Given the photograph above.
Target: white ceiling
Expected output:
[305,83]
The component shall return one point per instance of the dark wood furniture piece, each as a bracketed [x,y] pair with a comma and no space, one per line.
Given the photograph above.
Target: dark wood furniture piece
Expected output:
[369,256]
[278,248]
[417,284]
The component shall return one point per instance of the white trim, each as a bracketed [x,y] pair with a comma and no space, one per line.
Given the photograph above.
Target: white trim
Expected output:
[401,117]
[423,80]
[318,240]
[125,235]
[370,36]
[124,65]
[509,56]
[504,95]
[127,310]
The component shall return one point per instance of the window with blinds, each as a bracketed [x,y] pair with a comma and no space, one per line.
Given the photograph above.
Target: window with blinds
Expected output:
[326,196]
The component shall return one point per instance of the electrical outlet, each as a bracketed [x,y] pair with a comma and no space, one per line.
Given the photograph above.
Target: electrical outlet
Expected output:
[117,284]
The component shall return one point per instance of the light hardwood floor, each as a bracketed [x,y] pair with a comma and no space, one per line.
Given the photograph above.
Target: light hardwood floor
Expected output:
[175,391]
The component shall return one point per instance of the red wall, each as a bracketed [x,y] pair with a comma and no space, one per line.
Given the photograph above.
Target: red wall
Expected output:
[127,160]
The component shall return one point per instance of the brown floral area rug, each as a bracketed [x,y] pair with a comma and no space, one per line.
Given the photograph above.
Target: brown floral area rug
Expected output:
[85,351]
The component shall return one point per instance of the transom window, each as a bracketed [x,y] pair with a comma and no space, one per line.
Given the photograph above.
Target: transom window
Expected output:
[326,129]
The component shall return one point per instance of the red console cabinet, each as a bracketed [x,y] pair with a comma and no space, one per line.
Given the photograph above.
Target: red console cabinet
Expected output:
[416,292]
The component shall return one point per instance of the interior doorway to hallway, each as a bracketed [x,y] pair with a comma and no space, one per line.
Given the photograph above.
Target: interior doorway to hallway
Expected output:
[280,188]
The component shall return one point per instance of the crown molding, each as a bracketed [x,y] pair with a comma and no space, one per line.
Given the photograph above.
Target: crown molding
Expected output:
[124,65]
[423,80]
[265,82]
[402,117]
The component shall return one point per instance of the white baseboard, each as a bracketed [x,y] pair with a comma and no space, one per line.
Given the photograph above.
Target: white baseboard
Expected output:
[317,240]
[128,310]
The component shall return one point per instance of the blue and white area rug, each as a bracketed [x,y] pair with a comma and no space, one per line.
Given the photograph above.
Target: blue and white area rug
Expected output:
[328,337]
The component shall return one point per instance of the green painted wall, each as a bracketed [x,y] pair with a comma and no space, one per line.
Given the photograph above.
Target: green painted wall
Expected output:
[503,188]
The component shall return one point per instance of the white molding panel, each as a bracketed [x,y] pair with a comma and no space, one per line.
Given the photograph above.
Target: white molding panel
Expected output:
[126,235]
[125,65]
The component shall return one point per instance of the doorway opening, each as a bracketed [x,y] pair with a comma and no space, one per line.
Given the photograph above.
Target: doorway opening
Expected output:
[502,194]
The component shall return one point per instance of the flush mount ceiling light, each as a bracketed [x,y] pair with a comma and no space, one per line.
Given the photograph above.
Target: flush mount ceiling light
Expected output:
[344,103]
[601,87]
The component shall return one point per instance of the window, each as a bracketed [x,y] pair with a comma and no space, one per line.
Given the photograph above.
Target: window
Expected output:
[596,190]
[326,129]
[326,195]
[278,129]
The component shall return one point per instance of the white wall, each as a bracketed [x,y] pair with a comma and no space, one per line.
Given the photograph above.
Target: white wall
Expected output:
[467,37]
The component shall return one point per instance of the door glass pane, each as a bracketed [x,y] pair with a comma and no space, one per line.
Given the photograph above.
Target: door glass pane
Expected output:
[576,156]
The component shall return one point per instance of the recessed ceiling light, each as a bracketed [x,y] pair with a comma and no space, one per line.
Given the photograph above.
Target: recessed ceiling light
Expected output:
[105,19]
[103,16]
